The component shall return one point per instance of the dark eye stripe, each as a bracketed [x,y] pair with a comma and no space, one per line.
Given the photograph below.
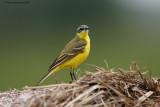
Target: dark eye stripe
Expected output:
[81,28]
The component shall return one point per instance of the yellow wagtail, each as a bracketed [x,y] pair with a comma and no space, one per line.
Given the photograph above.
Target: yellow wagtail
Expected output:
[74,53]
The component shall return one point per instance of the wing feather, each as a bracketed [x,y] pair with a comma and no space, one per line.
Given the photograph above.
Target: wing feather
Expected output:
[70,51]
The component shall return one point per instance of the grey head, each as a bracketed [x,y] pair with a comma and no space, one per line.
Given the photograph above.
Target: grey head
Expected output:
[82,28]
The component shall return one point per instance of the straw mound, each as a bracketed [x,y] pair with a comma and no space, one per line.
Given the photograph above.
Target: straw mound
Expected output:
[103,88]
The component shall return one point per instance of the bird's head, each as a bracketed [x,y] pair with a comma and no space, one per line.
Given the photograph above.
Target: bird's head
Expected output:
[82,31]
[82,28]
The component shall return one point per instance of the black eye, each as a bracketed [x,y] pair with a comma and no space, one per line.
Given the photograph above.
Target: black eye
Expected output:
[81,29]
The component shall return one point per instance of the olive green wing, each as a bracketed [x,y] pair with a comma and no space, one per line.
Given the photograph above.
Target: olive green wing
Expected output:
[71,50]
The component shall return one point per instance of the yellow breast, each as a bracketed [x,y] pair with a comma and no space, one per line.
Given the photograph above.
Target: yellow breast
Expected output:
[74,62]
[81,57]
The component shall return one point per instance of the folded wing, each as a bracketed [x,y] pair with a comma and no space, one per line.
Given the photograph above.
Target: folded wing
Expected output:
[70,51]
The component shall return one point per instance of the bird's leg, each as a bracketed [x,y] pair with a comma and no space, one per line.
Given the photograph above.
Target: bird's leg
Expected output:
[71,75]
[74,76]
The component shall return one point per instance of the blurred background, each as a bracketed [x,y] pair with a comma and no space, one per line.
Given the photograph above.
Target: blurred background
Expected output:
[33,34]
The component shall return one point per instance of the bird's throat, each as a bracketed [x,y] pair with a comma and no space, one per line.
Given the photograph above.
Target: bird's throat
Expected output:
[83,34]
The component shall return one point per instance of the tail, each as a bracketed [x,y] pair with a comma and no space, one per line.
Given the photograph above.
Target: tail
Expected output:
[48,74]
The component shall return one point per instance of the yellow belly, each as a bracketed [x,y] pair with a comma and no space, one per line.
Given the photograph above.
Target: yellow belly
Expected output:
[74,62]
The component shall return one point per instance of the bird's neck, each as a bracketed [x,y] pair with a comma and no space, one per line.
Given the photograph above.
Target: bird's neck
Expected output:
[83,35]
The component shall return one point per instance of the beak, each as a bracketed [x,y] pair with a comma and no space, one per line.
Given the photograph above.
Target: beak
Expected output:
[87,28]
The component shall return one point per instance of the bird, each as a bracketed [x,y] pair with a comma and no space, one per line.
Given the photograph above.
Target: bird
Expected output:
[73,54]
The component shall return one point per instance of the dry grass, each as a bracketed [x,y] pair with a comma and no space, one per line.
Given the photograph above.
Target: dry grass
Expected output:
[105,88]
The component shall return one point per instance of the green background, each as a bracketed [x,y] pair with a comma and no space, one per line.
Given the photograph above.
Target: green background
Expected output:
[33,34]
